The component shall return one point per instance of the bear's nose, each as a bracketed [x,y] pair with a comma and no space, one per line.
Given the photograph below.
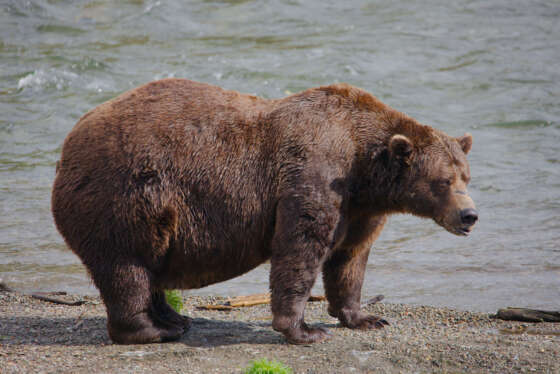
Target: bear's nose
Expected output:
[469,216]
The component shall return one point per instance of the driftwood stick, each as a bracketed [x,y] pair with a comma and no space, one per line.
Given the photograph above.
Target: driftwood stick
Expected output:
[316,298]
[4,287]
[527,315]
[258,299]
[43,297]
[249,300]
[241,304]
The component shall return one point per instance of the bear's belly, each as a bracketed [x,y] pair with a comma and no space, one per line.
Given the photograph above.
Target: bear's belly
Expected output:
[197,268]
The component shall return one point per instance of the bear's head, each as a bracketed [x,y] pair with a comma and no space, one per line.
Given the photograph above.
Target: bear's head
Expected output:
[434,175]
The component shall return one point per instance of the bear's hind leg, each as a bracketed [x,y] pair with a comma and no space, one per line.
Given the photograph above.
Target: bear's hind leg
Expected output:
[125,288]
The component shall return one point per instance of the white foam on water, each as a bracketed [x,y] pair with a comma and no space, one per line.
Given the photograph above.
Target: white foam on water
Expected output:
[33,79]
[47,79]
[40,79]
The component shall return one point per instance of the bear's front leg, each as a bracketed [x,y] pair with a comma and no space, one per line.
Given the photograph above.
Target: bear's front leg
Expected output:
[343,276]
[303,233]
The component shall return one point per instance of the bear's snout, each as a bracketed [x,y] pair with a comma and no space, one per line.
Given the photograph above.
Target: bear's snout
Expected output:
[469,216]
[461,218]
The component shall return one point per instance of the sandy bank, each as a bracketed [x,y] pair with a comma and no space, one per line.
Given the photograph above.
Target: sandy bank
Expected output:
[36,336]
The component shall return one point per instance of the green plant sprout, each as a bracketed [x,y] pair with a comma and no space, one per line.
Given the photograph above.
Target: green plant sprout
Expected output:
[174,299]
[267,367]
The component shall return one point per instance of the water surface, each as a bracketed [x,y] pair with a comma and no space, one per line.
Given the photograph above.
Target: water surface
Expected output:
[489,68]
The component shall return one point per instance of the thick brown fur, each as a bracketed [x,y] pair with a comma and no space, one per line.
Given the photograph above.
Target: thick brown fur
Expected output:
[178,184]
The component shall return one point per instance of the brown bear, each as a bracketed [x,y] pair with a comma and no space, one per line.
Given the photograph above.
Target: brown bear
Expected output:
[179,184]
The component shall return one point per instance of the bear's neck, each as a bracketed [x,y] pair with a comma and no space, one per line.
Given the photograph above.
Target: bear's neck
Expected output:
[380,182]
[378,186]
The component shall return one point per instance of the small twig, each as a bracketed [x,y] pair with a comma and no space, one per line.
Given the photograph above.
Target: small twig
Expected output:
[214,307]
[374,300]
[49,299]
[51,293]
[77,325]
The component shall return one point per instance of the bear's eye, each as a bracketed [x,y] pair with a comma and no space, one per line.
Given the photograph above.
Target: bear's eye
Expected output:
[441,186]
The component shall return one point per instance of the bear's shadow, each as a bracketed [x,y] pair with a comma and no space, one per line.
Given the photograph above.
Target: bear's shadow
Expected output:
[213,332]
[93,331]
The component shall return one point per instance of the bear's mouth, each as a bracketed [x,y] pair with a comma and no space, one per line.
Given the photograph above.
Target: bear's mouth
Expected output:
[463,231]
[457,230]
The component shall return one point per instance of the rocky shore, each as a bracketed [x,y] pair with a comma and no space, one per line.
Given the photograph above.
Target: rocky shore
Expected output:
[39,336]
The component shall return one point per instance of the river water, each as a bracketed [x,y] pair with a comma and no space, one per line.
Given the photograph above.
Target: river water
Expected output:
[491,68]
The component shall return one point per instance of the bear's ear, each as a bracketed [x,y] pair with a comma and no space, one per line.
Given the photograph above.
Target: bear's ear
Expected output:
[465,142]
[401,148]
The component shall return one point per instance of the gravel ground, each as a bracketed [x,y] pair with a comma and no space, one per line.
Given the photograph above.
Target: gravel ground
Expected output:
[37,336]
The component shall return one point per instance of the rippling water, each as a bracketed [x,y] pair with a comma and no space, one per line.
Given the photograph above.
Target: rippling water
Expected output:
[490,68]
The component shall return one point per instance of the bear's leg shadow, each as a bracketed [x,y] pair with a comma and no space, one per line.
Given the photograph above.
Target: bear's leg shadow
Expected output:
[343,276]
[125,285]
